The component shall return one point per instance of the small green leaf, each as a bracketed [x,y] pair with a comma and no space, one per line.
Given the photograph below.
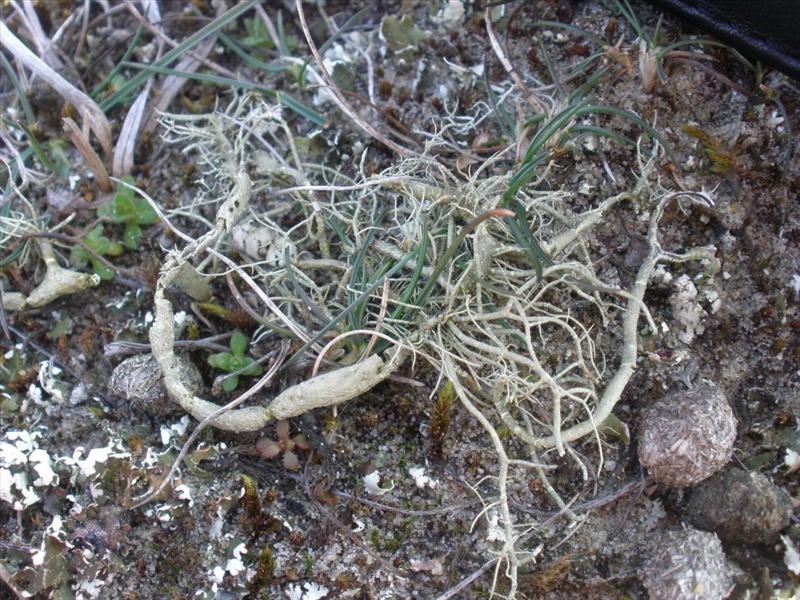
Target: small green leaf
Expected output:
[126,191]
[254,371]
[221,361]
[113,249]
[401,34]
[145,215]
[231,383]
[236,363]
[78,257]
[344,77]
[59,157]
[615,427]
[131,236]
[238,343]
[102,270]
[62,327]
[97,241]
[122,209]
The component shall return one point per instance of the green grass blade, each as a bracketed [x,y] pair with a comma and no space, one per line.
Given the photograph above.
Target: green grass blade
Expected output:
[578,130]
[522,233]
[38,150]
[662,52]
[503,118]
[630,17]
[582,90]
[358,278]
[584,65]
[347,245]
[633,118]
[346,312]
[536,147]
[193,40]
[298,289]
[522,177]
[15,82]
[545,56]
[447,257]
[537,155]
[408,293]
[657,31]
[118,67]
[282,97]
[301,109]
[250,60]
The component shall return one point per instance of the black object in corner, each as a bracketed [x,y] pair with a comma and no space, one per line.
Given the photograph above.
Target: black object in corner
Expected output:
[768,30]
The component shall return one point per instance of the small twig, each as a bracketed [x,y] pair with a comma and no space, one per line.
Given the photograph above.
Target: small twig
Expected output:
[396,127]
[172,43]
[592,504]
[346,531]
[107,14]
[240,300]
[123,348]
[260,470]
[337,95]
[535,103]
[467,581]
[84,28]
[711,71]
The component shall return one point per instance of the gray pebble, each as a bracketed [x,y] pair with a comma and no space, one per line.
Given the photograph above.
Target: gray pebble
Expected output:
[740,506]
[687,436]
[138,380]
[687,564]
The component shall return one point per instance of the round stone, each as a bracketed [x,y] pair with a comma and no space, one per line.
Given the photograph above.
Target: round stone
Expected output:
[740,506]
[687,564]
[687,436]
[138,380]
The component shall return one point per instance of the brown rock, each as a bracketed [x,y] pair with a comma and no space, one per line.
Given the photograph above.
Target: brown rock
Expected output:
[740,506]
[687,564]
[687,436]
[138,379]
